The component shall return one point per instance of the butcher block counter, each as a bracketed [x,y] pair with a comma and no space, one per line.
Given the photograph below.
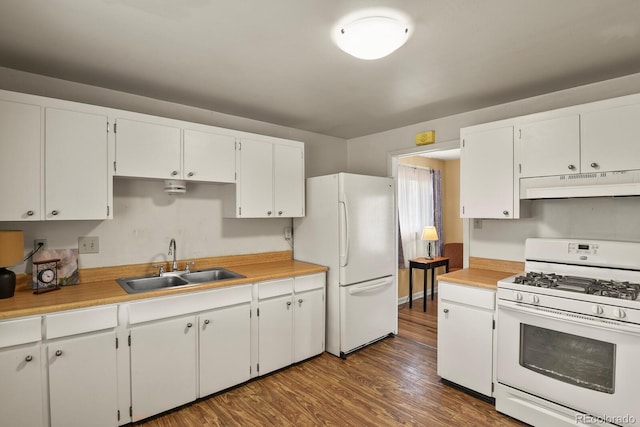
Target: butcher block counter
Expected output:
[98,286]
[483,272]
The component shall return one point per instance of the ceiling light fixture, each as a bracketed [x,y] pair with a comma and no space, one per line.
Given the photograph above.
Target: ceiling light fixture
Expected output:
[371,37]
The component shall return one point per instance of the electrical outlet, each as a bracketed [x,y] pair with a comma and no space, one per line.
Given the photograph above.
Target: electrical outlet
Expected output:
[288,233]
[38,242]
[88,245]
[477,224]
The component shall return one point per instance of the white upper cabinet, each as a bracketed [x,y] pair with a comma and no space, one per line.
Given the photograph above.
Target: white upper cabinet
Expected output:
[147,150]
[610,139]
[486,174]
[209,157]
[269,182]
[76,154]
[549,147]
[20,161]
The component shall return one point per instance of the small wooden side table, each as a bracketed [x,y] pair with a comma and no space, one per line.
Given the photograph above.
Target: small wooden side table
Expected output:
[426,265]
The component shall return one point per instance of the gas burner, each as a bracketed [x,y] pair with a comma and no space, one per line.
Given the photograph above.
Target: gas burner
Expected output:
[605,288]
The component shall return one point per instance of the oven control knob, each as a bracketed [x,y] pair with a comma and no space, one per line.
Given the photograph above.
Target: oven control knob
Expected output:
[534,299]
[597,309]
[517,296]
[619,313]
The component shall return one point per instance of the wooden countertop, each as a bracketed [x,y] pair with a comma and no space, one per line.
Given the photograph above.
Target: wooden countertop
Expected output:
[478,277]
[107,291]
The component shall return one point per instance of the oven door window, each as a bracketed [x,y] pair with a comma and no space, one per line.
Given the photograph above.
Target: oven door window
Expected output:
[572,359]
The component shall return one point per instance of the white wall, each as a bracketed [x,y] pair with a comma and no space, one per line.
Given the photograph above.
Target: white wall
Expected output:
[607,218]
[146,218]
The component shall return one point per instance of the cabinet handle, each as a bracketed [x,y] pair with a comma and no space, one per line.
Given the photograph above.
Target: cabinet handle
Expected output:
[29,358]
[190,174]
[268,212]
[189,325]
[58,352]
[54,213]
[288,304]
[279,212]
[174,173]
[206,322]
[505,212]
[572,167]
[446,310]
[595,165]
[30,213]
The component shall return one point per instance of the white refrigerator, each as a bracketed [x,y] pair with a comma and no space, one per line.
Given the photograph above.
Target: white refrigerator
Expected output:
[350,227]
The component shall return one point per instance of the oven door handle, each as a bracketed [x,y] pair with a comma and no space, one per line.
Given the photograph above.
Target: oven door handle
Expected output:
[579,319]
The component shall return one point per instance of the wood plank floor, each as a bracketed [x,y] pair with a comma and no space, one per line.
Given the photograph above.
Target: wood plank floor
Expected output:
[417,325]
[392,382]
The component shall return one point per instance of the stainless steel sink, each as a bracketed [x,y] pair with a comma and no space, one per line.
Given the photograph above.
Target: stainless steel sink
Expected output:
[139,284]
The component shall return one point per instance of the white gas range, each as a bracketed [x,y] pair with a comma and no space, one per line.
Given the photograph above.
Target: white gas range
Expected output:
[568,334]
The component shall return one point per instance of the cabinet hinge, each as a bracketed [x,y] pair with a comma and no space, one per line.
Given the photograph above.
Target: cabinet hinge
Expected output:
[116,343]
[258,312]
[114,165]
[118,414]
[494,324]
[249,370]
[129,340]
[493,386]
[249,313]
[463,143]
[519,133]
[107,210]
[239,210]
[519,167]
[258,368]
[131,411]
[107,127]
[463,209]
[115,127]
[240,146]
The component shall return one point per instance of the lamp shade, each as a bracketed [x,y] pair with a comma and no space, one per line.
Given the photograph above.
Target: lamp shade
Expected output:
[11,247]
[429,233]
[372,37]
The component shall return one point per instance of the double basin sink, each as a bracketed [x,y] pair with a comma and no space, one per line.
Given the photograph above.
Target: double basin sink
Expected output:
[134,285]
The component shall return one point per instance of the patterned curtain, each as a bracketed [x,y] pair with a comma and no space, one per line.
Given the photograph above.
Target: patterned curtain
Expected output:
[436,183]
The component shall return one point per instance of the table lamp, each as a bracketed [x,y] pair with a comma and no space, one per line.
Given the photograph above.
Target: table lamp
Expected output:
[429,234]
[11,253]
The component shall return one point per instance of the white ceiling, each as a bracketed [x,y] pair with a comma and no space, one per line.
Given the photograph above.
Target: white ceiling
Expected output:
[275,60]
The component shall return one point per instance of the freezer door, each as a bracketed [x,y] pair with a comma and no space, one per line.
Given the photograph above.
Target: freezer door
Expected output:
[366,215]
[367,312]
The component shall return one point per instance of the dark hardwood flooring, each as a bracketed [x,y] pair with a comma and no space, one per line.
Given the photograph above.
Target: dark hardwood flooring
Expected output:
[417,325]
[389,383]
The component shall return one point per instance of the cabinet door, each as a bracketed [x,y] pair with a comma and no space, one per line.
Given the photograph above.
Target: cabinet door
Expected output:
[21,390]
[163,366]
[486,174]
[288,180]
[209,157]
[276,333]
[610,139]
[550,147]
[255,180]
[147,150]
[77,179]
[465,346]
[225,348]
[308,324]
[82,381]
[20,162]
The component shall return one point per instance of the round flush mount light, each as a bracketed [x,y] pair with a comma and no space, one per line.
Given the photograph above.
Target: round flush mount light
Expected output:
[373,36]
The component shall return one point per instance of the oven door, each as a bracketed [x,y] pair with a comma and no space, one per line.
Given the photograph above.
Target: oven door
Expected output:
[584,363]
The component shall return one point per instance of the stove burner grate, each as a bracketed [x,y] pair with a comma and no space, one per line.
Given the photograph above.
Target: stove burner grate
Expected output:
[606,288]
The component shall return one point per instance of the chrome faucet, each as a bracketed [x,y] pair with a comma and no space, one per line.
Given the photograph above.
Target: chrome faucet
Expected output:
[172,251]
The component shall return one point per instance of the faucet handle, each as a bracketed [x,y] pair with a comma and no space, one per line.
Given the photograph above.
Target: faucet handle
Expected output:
[187,264]
[161,267]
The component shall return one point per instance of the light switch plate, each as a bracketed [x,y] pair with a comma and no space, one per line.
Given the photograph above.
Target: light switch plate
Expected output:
[88,245]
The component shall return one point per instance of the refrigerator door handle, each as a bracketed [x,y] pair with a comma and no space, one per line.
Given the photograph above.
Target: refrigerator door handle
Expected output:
[344,244]
[354,290]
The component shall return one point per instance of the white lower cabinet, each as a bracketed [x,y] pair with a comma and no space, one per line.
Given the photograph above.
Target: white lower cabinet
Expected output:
[291,321]
[465,336]
[82,381]
[163,366]
[21,379]
[224,348]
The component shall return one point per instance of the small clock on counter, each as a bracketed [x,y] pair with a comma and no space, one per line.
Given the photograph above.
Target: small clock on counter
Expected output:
[46,275]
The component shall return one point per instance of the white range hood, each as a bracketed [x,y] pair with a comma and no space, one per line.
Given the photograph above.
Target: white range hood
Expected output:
[598,184]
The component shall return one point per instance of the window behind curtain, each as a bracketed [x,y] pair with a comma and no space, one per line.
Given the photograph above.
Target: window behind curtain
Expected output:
[416,210]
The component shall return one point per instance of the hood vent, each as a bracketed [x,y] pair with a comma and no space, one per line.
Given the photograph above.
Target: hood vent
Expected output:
[599,184]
